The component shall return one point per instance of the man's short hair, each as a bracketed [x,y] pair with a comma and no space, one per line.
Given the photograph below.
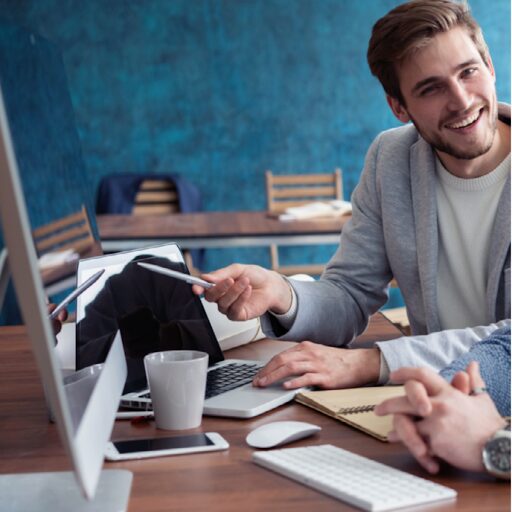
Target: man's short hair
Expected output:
[410,27]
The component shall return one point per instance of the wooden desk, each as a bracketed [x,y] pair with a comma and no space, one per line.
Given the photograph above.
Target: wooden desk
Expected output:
[214,229]
[219,481]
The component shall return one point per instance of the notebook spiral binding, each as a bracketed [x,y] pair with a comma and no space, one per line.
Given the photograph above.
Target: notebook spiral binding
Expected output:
[356,410]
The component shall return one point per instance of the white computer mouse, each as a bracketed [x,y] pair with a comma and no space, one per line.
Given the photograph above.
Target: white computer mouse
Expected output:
[280,432]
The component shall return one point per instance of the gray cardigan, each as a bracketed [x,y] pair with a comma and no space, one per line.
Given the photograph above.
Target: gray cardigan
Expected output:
[393,233]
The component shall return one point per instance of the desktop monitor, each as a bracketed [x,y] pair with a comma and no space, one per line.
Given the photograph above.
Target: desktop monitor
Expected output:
[84,410]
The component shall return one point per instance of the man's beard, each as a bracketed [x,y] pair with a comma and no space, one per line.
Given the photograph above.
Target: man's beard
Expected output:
[437,142]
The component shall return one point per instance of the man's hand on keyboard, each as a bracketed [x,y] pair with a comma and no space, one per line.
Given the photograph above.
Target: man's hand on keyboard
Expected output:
[438,419]
[311,364]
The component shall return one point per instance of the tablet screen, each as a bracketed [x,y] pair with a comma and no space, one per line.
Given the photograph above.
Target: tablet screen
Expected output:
[154,312]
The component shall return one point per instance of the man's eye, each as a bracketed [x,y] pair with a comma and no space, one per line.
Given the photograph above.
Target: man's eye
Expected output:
[468,72]
[428,91]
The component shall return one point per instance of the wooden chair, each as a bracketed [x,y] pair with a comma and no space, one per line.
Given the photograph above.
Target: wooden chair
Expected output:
[156,197]
[285,191]
[71,232]
[160,197]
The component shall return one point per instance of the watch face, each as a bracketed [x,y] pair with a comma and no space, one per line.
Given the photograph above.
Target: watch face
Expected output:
[497,454]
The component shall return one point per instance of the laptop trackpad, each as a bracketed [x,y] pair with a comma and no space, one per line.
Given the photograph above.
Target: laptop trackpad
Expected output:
[248,399]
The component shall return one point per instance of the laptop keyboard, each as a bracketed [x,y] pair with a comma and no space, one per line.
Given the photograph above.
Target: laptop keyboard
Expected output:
[227,377]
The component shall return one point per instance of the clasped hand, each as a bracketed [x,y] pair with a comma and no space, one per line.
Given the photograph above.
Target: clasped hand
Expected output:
[439,419]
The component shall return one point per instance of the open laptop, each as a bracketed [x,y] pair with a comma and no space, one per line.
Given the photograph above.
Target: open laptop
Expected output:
[156,312]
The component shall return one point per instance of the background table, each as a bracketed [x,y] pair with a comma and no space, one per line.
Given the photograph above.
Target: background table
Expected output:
[218,481]
[214,229]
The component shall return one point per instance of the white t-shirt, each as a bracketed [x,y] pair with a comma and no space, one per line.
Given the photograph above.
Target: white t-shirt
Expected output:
[466,210]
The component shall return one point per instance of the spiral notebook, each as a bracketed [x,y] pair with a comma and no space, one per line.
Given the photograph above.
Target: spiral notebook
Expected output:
[354,407]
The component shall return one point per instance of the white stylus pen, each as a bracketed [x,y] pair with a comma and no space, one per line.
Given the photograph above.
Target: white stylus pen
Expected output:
[75,293]
[177,275]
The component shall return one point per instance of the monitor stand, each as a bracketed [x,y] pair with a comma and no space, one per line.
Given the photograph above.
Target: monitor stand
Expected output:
[59,492]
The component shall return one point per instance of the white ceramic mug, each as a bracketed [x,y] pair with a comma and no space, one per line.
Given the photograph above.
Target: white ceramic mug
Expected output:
[177,382]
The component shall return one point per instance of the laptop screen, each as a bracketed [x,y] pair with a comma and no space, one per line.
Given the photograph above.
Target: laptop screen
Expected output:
[154,312]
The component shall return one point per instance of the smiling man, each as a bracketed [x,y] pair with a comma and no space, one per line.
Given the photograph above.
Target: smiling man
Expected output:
[432,210]
[447,91]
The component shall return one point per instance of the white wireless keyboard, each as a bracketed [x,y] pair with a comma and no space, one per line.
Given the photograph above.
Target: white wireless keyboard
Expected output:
[348,477]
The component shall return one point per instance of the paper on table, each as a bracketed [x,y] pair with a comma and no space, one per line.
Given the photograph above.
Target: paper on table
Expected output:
[317,209]
[53,259]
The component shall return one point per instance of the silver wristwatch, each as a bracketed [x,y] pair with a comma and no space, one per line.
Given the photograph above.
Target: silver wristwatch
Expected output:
[496,454]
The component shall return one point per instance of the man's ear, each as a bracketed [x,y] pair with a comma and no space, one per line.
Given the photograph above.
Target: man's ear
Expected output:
[398,109]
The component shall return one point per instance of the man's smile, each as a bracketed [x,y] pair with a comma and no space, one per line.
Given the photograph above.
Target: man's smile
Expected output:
[465,122]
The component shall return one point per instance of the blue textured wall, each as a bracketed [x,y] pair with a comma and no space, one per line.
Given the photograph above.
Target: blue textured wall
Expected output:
[42,124]
[43,130]
[220,90]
